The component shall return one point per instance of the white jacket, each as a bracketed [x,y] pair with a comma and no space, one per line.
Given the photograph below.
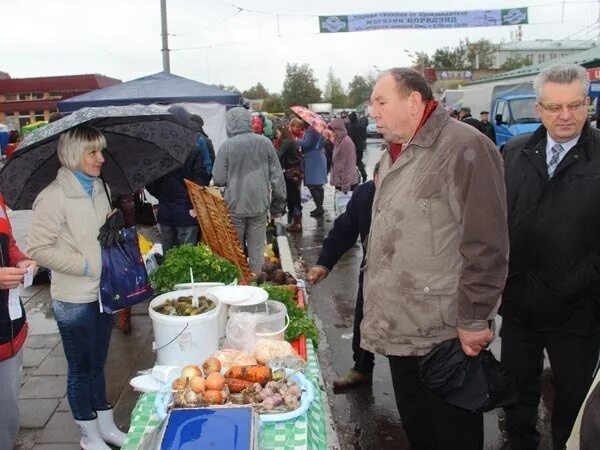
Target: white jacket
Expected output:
[64,235]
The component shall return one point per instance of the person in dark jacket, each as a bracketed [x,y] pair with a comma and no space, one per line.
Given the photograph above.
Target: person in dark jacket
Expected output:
[354,222]
[551,299]
[13,330]
[204,144]
[465,116]
[357,131]
[175,221]
[291,163]
[487,127]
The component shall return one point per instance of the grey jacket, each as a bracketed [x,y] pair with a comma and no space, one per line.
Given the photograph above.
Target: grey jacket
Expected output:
[248,167]
[438,249]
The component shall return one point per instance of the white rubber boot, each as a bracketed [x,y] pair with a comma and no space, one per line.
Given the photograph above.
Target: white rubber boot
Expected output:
[108,430]
[90,435]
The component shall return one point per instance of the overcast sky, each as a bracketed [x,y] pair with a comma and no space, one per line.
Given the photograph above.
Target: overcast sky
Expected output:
[213,42]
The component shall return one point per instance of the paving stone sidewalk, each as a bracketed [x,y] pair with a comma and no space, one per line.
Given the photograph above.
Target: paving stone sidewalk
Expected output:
[46,421]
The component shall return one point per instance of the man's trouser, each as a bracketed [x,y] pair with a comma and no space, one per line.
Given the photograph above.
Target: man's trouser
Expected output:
[431,423]
[364,360]
[252,231]
[573,359]
[10,382]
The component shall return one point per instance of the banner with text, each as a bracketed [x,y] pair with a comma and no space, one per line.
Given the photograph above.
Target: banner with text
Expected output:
[411,20]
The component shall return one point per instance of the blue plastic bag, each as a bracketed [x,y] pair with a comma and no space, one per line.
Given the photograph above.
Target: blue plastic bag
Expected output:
[124,280]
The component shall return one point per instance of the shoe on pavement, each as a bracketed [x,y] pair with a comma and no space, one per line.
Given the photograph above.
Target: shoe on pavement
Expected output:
[90,435]
[352,379]
[108,430]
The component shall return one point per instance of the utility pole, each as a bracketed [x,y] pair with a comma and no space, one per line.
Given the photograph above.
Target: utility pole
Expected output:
[165,37]
[598,21]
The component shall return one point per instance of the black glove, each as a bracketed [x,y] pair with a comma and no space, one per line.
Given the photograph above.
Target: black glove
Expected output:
[110,232]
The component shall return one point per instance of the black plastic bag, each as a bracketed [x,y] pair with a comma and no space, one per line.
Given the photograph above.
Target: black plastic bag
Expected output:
[477,384]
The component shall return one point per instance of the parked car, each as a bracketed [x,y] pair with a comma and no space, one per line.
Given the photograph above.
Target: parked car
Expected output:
[372,130]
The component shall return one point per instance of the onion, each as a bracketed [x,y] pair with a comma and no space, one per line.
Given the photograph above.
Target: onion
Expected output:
[215,382]
[191,372]
[213,397]
[211,365]
[178,384]
[198,385]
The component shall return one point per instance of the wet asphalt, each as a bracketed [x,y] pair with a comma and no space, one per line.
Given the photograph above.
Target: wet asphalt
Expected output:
[367,417]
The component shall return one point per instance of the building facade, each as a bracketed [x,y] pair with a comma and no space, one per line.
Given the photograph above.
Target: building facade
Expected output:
[27,100]
[539,51]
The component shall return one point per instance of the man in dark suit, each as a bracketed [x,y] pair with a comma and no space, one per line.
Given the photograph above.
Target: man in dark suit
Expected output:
[551,300]
[354,222]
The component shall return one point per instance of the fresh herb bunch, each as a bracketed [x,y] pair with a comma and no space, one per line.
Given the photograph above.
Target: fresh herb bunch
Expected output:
[300,322]
[205,265]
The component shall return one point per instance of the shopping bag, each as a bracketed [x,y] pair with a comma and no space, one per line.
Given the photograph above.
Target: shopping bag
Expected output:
[341,200]
[124,280]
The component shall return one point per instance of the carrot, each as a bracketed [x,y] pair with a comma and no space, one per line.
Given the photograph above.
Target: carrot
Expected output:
[254,374]
[236,385]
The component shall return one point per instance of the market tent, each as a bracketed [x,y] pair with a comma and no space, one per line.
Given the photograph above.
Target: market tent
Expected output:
[162,88]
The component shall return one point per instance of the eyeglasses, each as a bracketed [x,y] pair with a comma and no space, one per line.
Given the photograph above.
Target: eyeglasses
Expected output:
[554,108]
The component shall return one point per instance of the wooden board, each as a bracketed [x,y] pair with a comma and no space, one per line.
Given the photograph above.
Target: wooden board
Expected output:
[217,230]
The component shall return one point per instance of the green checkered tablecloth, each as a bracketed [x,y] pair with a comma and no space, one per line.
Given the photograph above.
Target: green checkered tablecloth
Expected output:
[306,432]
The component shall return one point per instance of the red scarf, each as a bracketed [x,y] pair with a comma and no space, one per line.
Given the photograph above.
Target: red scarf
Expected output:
[396,149]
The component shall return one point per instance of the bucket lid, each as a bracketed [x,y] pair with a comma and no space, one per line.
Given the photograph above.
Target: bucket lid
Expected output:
[239,295]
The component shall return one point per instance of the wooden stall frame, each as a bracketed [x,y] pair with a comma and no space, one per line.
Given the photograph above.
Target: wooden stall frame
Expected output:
[217,230]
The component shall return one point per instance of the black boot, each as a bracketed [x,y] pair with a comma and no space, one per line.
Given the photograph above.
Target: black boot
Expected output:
[318,196]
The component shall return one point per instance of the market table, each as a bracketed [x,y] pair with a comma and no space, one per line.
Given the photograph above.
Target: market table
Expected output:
[306,432]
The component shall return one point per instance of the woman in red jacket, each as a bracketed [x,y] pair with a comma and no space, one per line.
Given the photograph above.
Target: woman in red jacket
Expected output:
[13,330]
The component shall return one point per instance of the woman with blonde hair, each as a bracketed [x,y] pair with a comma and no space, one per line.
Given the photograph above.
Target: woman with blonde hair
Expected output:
[67,216]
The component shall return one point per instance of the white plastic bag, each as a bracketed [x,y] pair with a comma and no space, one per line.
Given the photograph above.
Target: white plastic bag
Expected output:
[240,332]
[305,194]
[341,200]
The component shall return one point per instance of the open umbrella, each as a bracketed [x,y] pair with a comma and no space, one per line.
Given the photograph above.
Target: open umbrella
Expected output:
[144,142]
[316,121]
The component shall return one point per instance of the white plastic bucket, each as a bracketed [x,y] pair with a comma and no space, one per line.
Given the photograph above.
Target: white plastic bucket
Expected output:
[271,325]
[183,340]
[201,289]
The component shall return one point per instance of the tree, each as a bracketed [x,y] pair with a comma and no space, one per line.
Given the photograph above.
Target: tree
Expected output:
[480,54]
[515,62]
[256,92]
[450,58]
[229,88]
[359,90]
[422,59]
[273,103]
[299,86]
[334,91]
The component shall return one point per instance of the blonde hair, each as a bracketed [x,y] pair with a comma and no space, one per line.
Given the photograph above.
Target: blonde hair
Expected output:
[74,142]
[296,122]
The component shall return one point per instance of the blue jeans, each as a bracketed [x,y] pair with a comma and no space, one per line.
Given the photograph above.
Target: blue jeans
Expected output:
[85,334]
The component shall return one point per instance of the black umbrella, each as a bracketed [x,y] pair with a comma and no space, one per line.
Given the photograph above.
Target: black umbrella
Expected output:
[477,383]
[144,142]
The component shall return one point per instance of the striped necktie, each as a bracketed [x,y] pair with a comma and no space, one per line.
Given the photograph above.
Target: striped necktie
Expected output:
[556,150]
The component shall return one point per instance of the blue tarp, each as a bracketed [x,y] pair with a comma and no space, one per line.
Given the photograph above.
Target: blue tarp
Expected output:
[161,87]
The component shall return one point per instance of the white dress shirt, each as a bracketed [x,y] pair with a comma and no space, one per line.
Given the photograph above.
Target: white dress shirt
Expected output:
[565,145]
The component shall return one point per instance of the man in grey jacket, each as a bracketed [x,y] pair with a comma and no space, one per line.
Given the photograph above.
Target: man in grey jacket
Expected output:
[248,167]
